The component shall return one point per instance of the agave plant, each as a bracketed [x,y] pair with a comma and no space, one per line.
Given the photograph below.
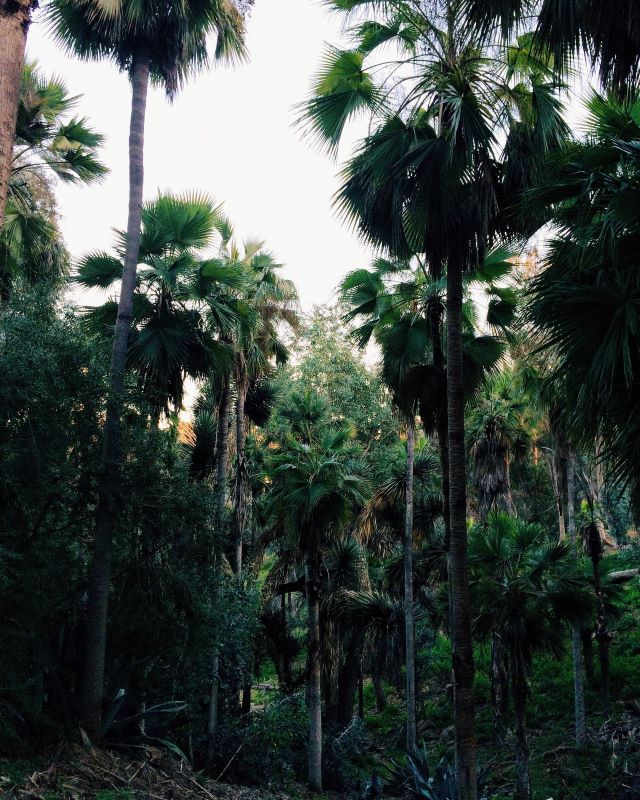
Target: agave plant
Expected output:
[439,783]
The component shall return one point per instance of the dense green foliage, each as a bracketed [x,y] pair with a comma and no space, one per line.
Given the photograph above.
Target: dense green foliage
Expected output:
[300,541]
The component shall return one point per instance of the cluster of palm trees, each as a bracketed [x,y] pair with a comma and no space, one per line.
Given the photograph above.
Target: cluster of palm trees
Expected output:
[468,154]
[160,42]
[464,116]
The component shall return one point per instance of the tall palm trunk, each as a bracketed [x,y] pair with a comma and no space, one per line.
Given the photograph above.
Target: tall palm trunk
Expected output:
[498,700]
[222,464]
[576,644]
[461,642]
[442,425]
[222,457]
[15,18]
[314,688]
[519,688]
[603,637]
[241,499]
[409,635]
[110,499]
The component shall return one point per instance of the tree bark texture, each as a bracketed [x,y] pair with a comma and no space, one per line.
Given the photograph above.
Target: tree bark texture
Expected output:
[441,419]
[461,641]
[222,463]
[497,688]
[576,648]
[110,497]
[241,494]
[15,18]
[409,633]
[523,778]
[222,458]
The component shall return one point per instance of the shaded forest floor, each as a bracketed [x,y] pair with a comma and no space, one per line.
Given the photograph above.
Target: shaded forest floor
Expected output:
[267,747]
[77,774]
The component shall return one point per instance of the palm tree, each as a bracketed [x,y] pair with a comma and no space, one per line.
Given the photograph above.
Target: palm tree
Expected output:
[383,511]
[526,591]
[48,140]
[585,316]
[258,346]
[15,20]
[165,43]
[427,180]
[313,492]
[402,306]
[610,42]
[497,433]
[170,338]
[48,144]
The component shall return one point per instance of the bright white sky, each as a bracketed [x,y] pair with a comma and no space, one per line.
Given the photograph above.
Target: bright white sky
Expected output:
[229,133]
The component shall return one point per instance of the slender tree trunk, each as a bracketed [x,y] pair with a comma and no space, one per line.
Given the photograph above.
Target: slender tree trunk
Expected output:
[560,471]
[15,18]
[497,688]
[461,641]
[110,498]
[241,499]
[602,632]
[441,418]
[214,703]
[523,778]
[222,465]
[576,649]
[222,459]
[361,695]
[409,634]
[315,685]
[604,640]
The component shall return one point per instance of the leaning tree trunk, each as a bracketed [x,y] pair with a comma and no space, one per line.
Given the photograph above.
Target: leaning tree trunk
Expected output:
[110,497]
[15,17]
[315,684]
[461,641]
[409,634]
[576,643]
[519,688]
[220,504]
